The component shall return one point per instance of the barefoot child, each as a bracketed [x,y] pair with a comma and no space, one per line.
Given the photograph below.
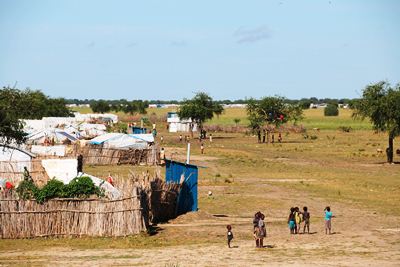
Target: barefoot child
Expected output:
[297,220]
[328,220]
[229,235]
[306,219]
[291,221]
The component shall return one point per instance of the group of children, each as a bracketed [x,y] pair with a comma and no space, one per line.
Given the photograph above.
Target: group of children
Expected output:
[295,221]
[296,218]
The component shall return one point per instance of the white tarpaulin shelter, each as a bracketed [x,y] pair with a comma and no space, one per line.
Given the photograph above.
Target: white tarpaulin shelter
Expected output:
[49,150]
[92,116]
[58,135]
[66,169]
[91,129]
[15,157]
[123,141]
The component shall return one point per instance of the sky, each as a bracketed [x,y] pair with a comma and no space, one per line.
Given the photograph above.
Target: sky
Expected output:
[171,49]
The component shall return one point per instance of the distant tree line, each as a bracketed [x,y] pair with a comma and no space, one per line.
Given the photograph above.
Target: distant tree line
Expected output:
[18,104]
[304,102]
[131,107]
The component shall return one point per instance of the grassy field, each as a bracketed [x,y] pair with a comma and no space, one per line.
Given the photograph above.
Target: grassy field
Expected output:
[340,169]
[313,118]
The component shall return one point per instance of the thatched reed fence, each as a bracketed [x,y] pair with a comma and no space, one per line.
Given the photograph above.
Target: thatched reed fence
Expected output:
[146,199]
[98,155]
[71,217]
[160,197]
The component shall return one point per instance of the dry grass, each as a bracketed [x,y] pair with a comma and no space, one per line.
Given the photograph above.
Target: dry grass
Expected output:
[338,168]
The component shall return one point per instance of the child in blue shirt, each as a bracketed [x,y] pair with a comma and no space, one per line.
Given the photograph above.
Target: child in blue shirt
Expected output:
[328,220]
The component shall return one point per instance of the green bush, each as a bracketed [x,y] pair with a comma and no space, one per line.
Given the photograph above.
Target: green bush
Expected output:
[79,187]
[331,110]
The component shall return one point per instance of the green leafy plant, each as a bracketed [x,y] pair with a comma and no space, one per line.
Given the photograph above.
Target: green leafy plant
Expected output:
[79,187]
[331,110]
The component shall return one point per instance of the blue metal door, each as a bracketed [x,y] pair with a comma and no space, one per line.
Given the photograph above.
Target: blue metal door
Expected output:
[187,176]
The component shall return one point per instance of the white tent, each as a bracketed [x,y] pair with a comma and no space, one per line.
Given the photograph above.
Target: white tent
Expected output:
[123,141]
[16,158]
[58,135]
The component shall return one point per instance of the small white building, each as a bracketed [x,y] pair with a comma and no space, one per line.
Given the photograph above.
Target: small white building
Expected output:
[175,124]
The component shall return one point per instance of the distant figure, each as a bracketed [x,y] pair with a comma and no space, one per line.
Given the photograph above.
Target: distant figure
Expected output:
[162,156]
[261,231]
[306,219]
[297,220]
[264,135]
[162,139]
[259,135]
[180,138]
[229,235]
[291,222]
[272,138]
[110,179]
[328,220]
[154,132]
[27,175]
[80,163]
[255,227]
[280,138]
[211,138]
[202,148]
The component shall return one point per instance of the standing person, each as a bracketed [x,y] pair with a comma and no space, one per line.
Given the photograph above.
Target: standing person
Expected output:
[291,221]
[255,227]
[211,138]
[261,231]
[229,235]
[162,139]
[280,138]
[328,220]
[202,148]
[180,138]
[306,219]
[273,138]
[263,137]
[80,164]
[259,135]
[297,219]
[162,156]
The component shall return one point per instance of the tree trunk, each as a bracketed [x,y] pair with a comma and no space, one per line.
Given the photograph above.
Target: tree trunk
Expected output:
[389,150]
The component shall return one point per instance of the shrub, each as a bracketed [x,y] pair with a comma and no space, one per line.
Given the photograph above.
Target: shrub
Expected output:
[331,110]
[77,188]
[345,129]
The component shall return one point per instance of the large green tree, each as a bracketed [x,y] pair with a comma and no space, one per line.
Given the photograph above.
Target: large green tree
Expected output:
[100,106]
[31,104]
[199,109]
[25,104]
[272,111]
[381,104]
[11,128]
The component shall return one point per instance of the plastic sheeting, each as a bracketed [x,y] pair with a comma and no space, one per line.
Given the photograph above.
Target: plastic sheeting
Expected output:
[19,158]
[123,141]
[49,150]
[65,170]
[58,135]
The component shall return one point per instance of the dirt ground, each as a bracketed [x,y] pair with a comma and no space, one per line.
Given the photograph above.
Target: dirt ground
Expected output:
[244,177]
[360,238]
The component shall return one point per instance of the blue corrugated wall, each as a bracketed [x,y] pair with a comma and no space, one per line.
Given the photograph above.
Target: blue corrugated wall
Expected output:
[187,199]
